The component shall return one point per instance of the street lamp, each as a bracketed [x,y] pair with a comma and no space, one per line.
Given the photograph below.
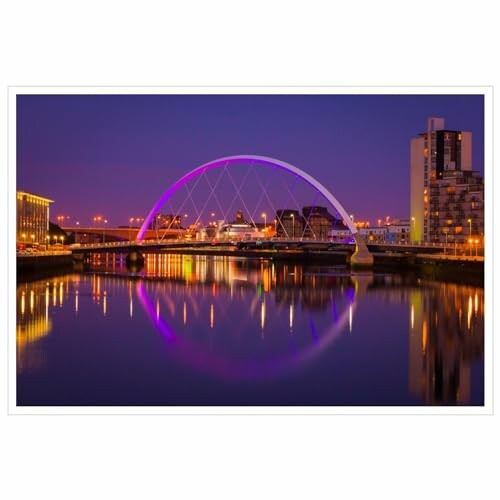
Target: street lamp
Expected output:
[130,221]
[264,215]
[293,226]
[446,230]
[62,240]
[104,229]
[476,242]
[470,234]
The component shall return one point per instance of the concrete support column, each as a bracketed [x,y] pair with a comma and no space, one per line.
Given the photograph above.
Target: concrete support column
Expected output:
[361,258]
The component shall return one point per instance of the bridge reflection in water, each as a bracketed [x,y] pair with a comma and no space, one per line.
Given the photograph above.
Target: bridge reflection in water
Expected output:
[254,320]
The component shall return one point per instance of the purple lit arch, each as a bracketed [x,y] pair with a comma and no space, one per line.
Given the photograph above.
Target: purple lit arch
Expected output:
[262,160]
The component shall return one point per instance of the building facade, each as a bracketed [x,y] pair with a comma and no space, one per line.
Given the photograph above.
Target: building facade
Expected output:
[289,223]
[398,232]
[432,154]
[32,218]
[457,208]
[318,222]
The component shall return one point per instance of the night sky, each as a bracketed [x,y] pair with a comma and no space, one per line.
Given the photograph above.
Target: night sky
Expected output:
[116,154]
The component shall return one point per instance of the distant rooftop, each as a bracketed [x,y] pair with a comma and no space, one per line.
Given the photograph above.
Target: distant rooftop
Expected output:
[33,197]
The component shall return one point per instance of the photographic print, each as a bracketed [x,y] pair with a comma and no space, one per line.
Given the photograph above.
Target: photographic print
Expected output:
[249,249]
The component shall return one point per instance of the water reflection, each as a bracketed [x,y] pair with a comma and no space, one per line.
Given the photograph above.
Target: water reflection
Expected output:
[443,345]
[32,324]
[237,319]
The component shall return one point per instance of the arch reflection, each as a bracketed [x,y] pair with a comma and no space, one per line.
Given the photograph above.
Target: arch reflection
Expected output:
[254,299]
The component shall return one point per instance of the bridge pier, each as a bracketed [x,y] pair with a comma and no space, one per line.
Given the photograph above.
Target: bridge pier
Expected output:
[361,258]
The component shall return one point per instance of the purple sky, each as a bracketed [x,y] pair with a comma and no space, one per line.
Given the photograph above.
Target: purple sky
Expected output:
[116,154]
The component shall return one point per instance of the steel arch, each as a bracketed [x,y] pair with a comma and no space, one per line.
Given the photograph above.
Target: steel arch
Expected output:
[263,160]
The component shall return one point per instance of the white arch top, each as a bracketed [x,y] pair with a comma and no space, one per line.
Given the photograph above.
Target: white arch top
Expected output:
[263,160]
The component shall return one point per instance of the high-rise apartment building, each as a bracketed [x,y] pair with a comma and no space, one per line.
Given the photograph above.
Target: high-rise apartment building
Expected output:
[441,162]
[457,208]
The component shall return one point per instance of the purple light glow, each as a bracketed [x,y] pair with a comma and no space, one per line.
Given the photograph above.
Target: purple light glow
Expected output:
[263,160]
[241,370]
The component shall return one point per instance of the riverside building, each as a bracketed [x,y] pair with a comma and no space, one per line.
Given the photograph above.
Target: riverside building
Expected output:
[32,218]
[446,195]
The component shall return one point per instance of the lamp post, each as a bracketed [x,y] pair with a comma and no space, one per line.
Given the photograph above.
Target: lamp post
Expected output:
[264,215]
[104,229]
[470,234]
[275,228]
[413,229]
[293,226]
[131,219]
[446,230]
[476,242]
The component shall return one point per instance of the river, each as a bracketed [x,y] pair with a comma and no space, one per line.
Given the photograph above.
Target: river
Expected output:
[206,330]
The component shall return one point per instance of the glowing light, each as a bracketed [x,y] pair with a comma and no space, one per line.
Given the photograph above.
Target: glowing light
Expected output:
[32,301]
[23,303]
[157,308]
[262,315]
[469,312]
[476,303]
[259,160]
[291,317]
[211,315]
[184,313]
[76,302]
[412,316]
[104,304]
[350,317]
[61,292]
[47,300]
[131,308]
[425,334]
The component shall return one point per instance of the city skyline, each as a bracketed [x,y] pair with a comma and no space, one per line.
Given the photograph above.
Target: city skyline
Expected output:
[116,154]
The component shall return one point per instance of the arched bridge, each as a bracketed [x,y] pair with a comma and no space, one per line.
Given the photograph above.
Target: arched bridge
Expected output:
[361,257]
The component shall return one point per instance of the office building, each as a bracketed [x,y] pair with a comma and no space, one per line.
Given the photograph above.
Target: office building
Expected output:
[289,223]
[32,218]
[318,222]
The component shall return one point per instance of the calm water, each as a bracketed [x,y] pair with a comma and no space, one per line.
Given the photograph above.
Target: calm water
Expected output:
[199,330]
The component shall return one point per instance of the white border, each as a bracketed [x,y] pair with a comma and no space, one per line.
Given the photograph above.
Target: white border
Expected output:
[487,409]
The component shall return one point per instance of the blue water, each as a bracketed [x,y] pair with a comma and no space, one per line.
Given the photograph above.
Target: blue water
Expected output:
[201,330]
